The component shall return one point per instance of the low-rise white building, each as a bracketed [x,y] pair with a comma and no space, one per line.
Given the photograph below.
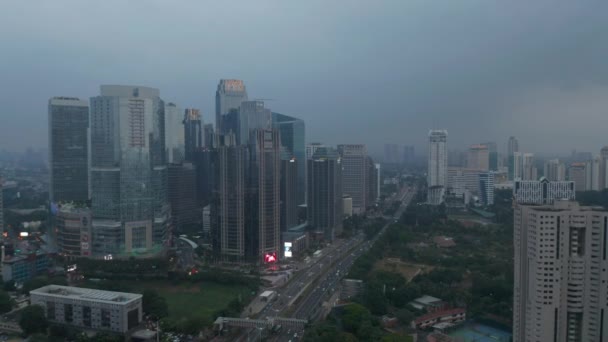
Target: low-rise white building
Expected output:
[116,312]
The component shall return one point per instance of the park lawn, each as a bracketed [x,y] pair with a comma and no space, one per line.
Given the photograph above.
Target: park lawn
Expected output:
[190,300]
[199,299]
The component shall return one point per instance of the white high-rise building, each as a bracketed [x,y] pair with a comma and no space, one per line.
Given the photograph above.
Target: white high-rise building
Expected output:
[130,207]
[438,158]
[437,174]
[175,141]
[523,166]
[560,265]
[478,158]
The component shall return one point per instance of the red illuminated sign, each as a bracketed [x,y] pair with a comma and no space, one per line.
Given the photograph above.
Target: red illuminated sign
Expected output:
[270,257]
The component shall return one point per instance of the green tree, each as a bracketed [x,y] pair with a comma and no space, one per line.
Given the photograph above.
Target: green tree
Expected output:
[154,305]
[353,317]
[33,320]
[6,304]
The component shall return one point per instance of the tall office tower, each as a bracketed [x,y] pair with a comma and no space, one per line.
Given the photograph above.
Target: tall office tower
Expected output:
[378,180]
[1,212]
[577,174]
[229,95]
[130,208]
[69,149]
[478,158]
[289,192]
[409,155]
[206,163]
[263,213]
[325,211]
[593,174]
[174,134]
[555,170]
[354,174]
[543,191]
[604,168]
[391,154]
[560,269]
[372,193]
[251,116]
[182,195]
[512,147]
[208,136]
[492,155]
[231,190]
[292,131]
[193,132]
[486,188]
[312,148]
[437,173]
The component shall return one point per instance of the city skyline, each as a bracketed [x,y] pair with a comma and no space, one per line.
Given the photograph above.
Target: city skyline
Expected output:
[416,85]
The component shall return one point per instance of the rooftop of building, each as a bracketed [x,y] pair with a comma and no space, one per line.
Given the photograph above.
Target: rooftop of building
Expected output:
[427,300]
[444,241]
[86,294]
[438,314]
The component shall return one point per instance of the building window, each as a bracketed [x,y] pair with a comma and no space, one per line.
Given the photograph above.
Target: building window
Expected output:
[105,318]
[68,313]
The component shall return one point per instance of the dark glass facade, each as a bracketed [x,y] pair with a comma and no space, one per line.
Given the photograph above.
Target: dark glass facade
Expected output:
[69,149]
[293,138]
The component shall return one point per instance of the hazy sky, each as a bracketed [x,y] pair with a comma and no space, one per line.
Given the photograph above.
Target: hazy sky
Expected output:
[356,71]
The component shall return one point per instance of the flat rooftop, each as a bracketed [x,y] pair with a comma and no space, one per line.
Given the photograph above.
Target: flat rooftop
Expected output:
[86,294]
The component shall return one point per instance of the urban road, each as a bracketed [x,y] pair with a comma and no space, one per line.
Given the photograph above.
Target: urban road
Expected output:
[303,296]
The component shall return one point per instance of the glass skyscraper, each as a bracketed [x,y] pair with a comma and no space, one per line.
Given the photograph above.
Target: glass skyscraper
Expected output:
[229,95]
[293,136]
[69,149]
[129,173]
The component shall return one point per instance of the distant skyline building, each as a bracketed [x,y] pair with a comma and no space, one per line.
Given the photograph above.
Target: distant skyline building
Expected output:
[206,167]
[409,154]
[293,137]
[312,148]
[512,147]
[354,174]
[578,174]
[604,168]
[524,167]
[229,95]
[492,155]
[437,172]
[130,208]
[174,134]
[193,132]
[1,210]
[486,188]
[252,115]
[593,174]
[68,149]
[559,291]
[208,136]
[391,154]
[325,195]
[555,170]
[478,158]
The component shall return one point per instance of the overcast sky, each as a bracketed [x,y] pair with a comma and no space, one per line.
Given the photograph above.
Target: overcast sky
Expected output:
[369,72]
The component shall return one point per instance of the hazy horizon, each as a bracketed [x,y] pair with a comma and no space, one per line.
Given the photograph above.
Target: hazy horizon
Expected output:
[370,72]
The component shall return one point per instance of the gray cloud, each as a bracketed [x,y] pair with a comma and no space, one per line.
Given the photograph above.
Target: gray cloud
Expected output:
[356,71]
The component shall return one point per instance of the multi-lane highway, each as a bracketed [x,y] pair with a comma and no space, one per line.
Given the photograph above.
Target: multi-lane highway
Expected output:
[303,296]
[328,281]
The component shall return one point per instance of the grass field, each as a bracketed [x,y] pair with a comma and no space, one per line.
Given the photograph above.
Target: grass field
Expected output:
[187,300]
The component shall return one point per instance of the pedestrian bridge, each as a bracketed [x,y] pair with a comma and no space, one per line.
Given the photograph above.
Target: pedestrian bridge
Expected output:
[269,323]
